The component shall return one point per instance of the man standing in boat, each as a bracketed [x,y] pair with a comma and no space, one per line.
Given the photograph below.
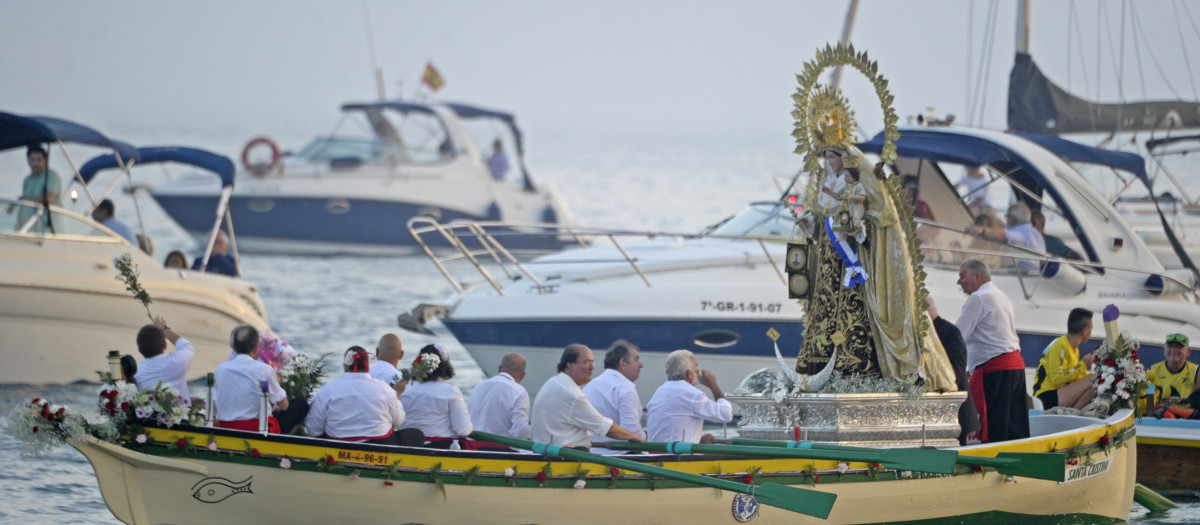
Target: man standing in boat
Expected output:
[41,186]
[988,326]
[562,414]
[613,393]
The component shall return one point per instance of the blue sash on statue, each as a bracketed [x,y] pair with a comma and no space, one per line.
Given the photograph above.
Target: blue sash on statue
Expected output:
[855,273]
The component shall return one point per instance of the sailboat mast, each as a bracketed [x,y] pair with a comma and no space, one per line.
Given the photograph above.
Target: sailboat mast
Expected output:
[1023,27]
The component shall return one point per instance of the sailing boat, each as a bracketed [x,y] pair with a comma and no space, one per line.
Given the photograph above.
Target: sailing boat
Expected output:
[1036,105]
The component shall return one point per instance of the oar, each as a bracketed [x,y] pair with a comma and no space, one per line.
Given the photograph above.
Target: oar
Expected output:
[921,460]
[805,501]
[1038,465]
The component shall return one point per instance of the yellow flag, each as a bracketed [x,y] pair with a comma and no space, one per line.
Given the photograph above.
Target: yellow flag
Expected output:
[432,78]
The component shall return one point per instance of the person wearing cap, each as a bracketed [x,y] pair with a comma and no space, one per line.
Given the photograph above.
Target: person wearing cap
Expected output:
[436,407]
[357,407]
[613,393]
[562,414]
[238,387]
[1062,377]
[1175,377]
[160,367]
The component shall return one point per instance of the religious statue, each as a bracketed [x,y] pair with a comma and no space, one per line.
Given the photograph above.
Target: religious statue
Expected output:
[865,302]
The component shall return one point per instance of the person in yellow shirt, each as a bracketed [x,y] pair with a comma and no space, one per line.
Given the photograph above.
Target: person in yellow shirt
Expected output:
[1174,378]
[1062,376]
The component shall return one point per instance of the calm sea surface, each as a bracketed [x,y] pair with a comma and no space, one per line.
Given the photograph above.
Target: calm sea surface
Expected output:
[326,304]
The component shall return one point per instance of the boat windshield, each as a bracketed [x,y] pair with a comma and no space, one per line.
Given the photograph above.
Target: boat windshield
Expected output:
[18,217]
[761,219]
[325,149]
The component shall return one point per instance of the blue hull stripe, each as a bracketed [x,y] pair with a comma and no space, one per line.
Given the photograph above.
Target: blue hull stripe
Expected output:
[308,219]
[668,335]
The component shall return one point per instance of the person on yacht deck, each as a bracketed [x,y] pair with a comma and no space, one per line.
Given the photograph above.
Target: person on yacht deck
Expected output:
[157,366]
[677,410]
[219,261]
[357,407]
[500,405]
[562,414]
[1020,232]
[176,259]
[613,393]
[238,388]
[1062,376]
[436,407]
[105,214]
[498,161]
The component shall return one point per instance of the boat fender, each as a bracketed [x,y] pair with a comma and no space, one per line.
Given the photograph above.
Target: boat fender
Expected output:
[493,212]
[1158,284]
[1068,279]
[260,169]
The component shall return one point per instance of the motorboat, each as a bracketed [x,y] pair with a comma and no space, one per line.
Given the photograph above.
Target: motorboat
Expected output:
[352,192]
[718,294]
[59,286]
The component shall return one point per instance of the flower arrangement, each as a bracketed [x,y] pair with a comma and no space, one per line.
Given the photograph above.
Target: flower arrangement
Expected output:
[302,375]
[274,351]
[422,366]
[40,426]
[1120,376]
[126,406]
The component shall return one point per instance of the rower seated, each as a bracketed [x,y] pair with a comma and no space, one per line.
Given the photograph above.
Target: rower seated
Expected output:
[436,407]
[357,407]
[1062,376]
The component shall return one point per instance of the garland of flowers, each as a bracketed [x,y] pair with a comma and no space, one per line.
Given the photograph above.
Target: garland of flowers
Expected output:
[40,426]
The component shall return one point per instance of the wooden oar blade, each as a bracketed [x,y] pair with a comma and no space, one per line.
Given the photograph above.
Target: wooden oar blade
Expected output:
[1037,465]
[920,460]
[810,502]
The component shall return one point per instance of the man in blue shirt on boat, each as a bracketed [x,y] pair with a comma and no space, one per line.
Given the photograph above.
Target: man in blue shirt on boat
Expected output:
[104,214]
[498,161]
[219,261]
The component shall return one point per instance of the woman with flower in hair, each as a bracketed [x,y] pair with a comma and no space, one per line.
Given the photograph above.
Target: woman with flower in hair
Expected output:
[435,406]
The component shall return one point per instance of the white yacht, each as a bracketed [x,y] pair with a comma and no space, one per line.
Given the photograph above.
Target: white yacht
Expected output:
[389,161]
[62,305]
[719,293]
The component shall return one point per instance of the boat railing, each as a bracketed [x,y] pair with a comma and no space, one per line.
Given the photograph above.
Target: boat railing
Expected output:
[473,242]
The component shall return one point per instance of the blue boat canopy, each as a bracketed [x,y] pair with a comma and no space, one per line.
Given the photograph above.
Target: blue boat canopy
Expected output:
[1076,152]
[219,164]
[17,131]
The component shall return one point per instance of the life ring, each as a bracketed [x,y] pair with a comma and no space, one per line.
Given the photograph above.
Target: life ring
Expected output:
[261,169]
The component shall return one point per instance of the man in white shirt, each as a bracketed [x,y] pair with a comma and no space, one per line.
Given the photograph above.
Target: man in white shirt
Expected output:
[989,329]
[1020,232]
[500,405]
[979,188]
[387,355]
[238,386]
[677,410]
[614,395]
[358,407]
[160,367]
[562,414]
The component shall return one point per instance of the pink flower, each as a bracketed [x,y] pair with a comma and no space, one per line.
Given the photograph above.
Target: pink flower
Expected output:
[843,467]
[212,445]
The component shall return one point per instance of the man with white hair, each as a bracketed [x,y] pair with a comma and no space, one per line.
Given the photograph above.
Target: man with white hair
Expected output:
[677,410]
[1020,232]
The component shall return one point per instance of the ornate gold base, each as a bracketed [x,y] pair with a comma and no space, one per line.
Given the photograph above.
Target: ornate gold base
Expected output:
[867,420]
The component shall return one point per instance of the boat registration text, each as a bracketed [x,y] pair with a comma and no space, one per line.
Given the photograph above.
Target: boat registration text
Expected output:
[368,458]
[730,306]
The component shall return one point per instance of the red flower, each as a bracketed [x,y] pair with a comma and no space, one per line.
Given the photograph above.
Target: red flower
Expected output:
[1118,377]
[876,465]
[748,479]
[182,443]
[418,359]
[1109,361]
[35,429]
[978,468]
[614,472]
[1072,461]
[1104,440]
[60,411]
[254,453]
[124,405]
[109,406]
[329,459]
[37,400]
[541,477]
[388,483]
[816,477]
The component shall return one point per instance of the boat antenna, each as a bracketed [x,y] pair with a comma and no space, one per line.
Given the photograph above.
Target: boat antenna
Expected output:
[371,48]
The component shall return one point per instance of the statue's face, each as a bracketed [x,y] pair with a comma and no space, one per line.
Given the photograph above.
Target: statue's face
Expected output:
[834,160]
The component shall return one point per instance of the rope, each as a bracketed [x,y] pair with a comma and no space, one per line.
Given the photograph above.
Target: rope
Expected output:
[1179,26]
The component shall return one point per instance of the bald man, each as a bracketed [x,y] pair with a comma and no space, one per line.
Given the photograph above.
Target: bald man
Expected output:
[387,356]
[500,405]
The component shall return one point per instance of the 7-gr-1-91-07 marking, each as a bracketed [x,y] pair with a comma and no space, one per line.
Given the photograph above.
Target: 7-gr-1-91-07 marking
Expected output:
[730,306]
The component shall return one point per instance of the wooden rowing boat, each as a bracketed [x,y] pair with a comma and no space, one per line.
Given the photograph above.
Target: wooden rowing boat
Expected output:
[204,475]
[1168,454]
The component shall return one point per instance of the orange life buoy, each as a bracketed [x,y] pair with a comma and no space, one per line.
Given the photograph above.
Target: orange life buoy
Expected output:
[261,169]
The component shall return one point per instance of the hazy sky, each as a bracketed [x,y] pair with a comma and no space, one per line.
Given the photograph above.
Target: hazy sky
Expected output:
[153,71]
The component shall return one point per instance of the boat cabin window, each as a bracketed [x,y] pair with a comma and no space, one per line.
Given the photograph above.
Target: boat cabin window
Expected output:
[759,220]
[421,138]
[325,149]
[14,215]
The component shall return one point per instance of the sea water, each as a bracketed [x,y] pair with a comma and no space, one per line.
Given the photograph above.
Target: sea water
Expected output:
[326,304]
